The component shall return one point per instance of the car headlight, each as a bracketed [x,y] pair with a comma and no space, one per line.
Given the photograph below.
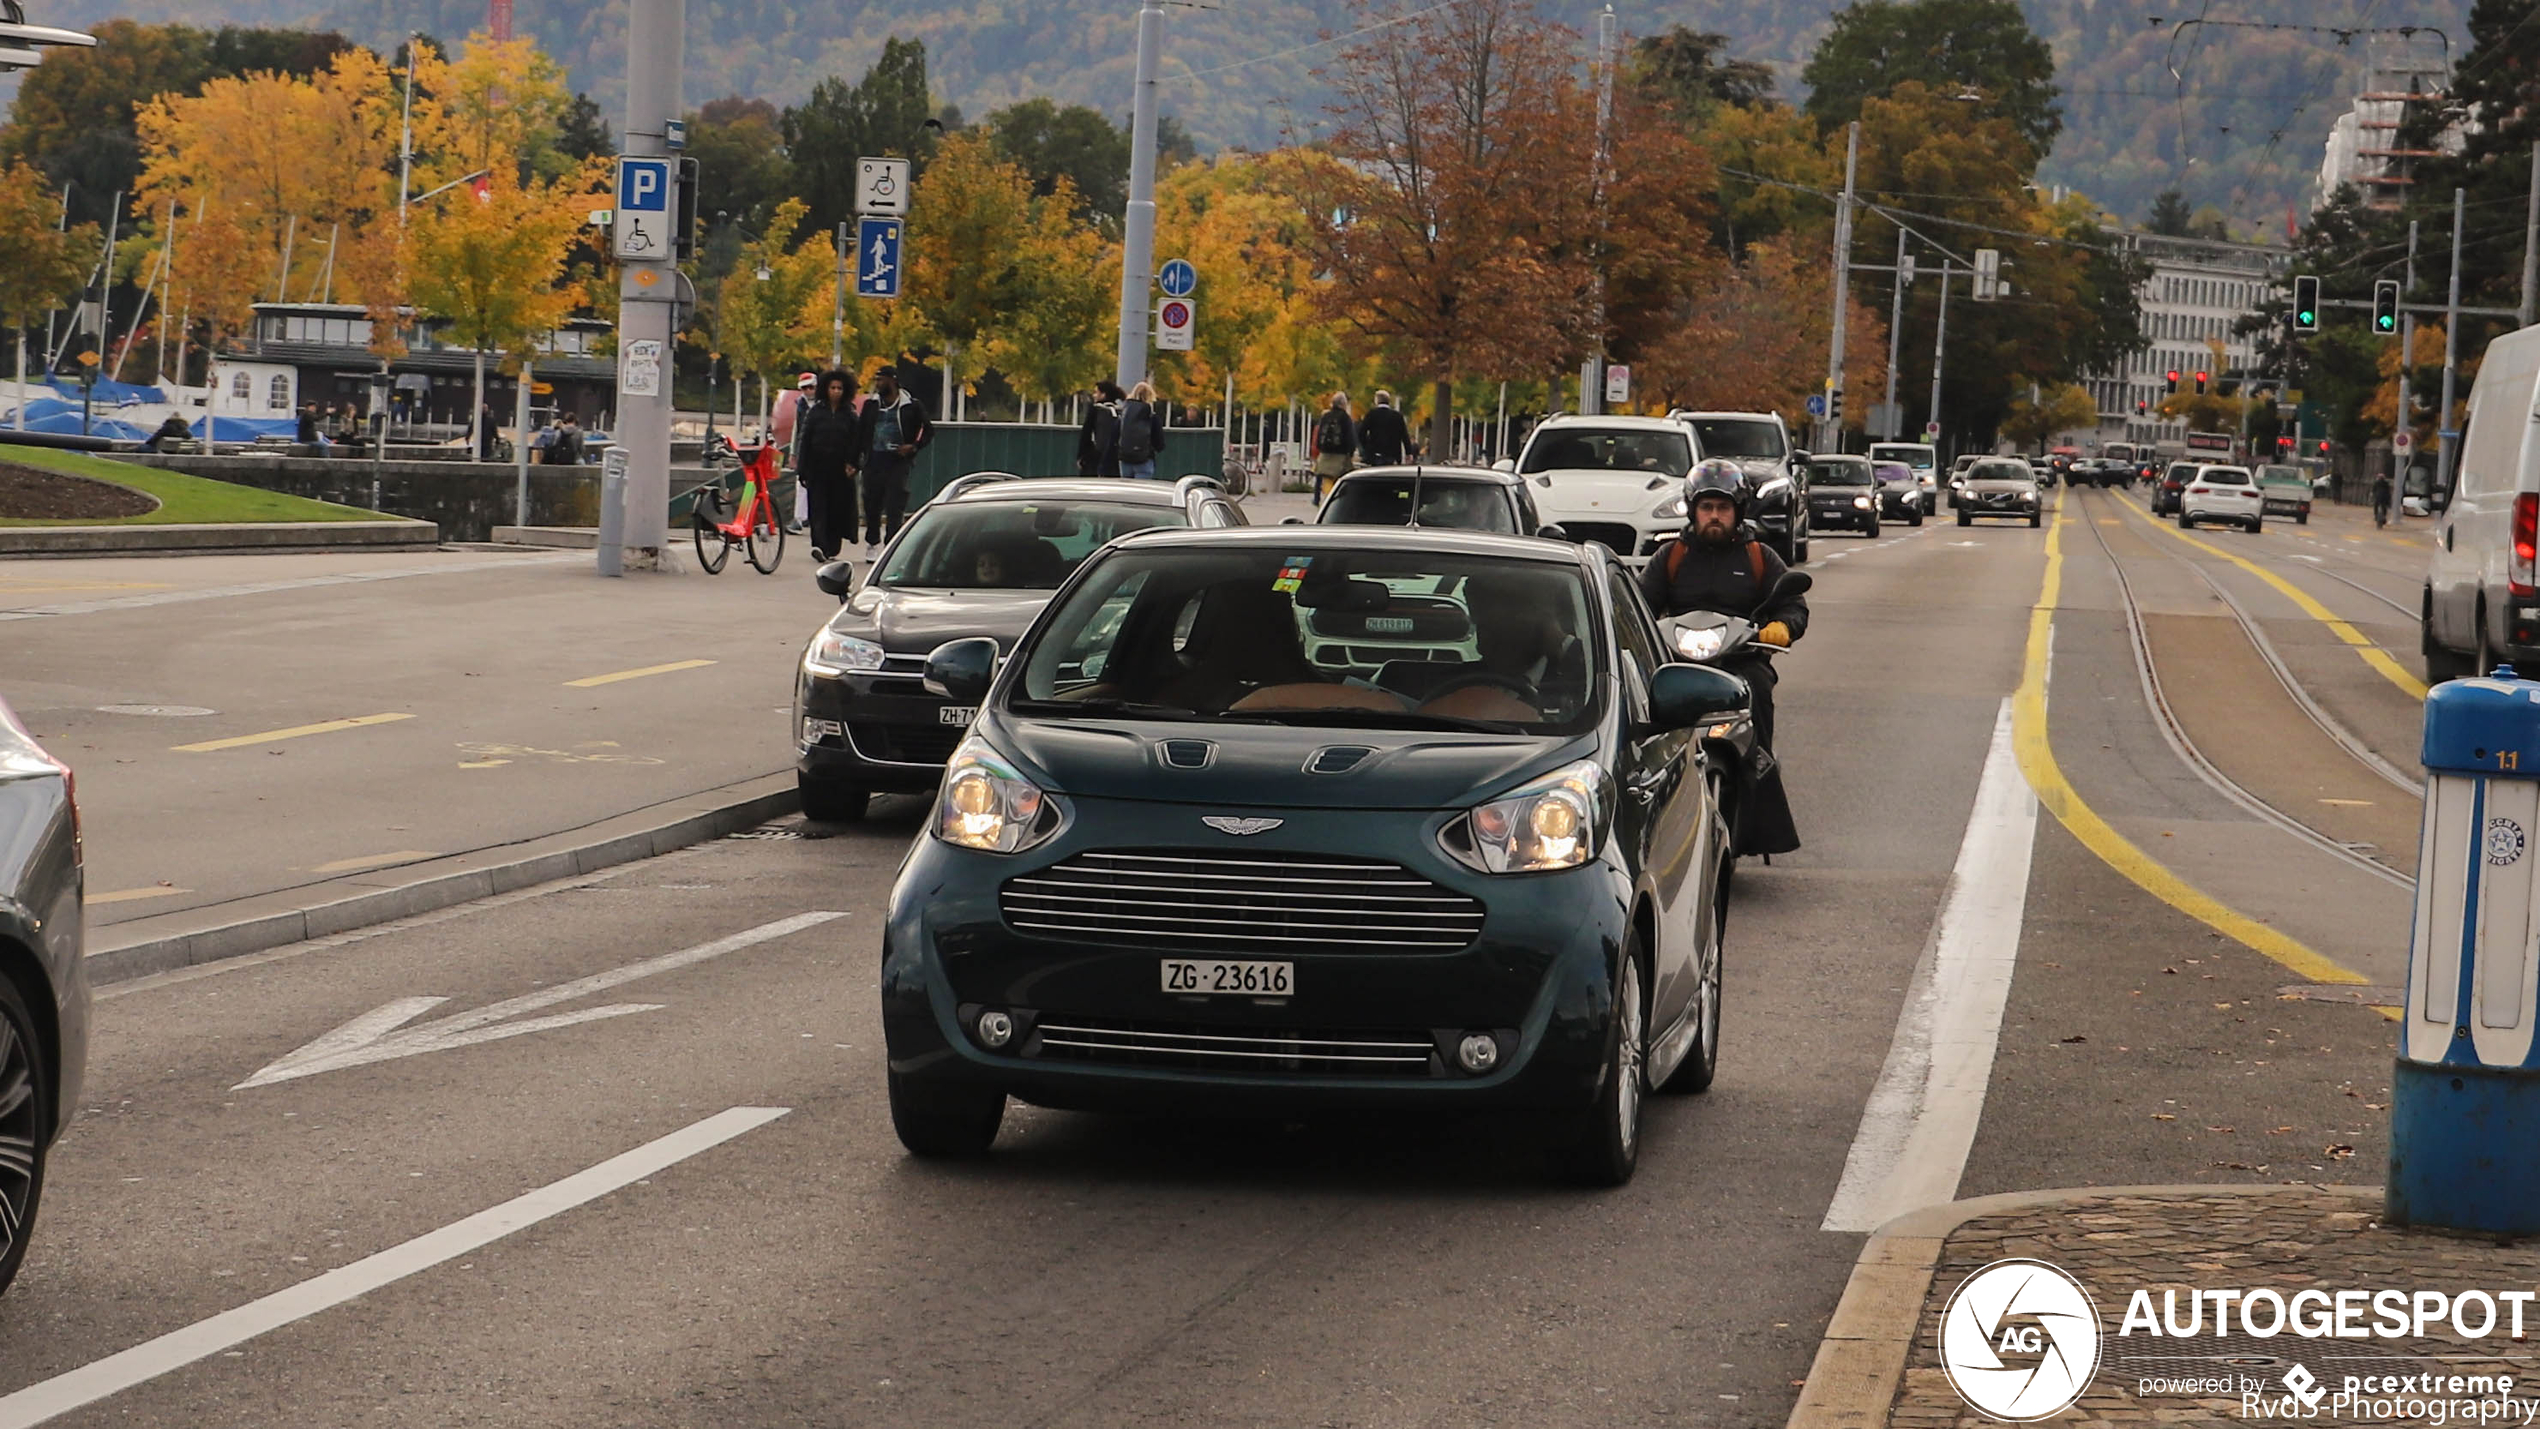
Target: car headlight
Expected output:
[1778,486]
[1700,642]
[985,805]
[1860,503]
[1554,822]
[834,654]
[1671,509]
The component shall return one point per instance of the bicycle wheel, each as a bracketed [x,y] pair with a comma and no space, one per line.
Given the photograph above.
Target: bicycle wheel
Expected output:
[713,548]
[766,535]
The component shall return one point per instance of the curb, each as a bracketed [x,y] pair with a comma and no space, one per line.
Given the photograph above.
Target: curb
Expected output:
[1860,1364]
[249,925]
[243,536]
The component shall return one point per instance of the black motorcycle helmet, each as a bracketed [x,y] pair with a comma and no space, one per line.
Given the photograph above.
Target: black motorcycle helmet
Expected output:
[1717,476]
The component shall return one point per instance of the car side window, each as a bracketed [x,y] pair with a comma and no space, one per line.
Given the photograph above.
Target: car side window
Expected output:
[1637,635]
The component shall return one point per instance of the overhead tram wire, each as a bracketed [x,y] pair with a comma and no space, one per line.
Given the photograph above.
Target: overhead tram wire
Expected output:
[1316,44]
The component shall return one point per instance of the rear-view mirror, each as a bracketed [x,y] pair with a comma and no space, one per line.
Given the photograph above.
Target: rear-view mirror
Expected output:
[836,578]
[1552,532]
[1504,464]
[959,670]
[1682,696]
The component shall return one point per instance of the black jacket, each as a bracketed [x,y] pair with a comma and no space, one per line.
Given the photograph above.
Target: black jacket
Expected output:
[1384,439]
[915,430]
[825,436]
[1133,413]
[1094,441]
[1730,579]
[1335,432]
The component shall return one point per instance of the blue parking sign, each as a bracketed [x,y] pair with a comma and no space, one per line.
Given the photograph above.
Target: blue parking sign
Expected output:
[643,208]
[877,258]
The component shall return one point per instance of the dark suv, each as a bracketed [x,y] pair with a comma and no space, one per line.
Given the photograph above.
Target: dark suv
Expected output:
[2173,481]
[981,559]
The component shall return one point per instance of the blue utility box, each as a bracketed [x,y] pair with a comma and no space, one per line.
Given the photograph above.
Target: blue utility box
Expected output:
[2465,1094]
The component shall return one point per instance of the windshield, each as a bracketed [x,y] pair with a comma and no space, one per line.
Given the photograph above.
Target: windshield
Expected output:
[1917,457]
[1839,473]
[1891,471]
[1738,437]
[1419,501]
[1636,449]
[2224,476]
[2001,471]
[1012,545]
[2278,475]
[1354,638]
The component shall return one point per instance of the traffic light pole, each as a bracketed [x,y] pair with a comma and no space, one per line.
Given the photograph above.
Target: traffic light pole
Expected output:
[1137,225]
[2407,359]
[1939,344]
[1895,321]
[2443,434]
[1830,427]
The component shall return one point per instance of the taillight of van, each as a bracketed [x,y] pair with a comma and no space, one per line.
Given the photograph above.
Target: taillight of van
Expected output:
[2518,574]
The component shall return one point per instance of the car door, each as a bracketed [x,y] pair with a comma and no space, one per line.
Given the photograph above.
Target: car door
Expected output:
[1666,805]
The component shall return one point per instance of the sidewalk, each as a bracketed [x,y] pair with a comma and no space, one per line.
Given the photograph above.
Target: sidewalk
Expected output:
[1880,1362]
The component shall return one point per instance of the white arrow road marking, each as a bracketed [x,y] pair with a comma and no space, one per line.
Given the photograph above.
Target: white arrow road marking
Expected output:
[201,1340]
[374,1036]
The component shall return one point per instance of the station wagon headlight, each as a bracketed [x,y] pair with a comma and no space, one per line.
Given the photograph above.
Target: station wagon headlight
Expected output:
[1671,509]
[832,653]
[985,805]
[1554,822]
[1860,503]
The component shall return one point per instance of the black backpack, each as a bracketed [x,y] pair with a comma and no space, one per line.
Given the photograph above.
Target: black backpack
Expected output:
[1137,432]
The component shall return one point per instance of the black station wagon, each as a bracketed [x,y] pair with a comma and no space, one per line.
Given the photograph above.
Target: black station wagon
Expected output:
[1261,821]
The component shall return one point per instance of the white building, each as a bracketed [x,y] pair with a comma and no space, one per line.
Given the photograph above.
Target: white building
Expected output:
[2197,294]
[2400,74]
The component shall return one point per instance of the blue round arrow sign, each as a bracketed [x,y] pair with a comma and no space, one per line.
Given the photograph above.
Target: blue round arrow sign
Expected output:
[1177,278]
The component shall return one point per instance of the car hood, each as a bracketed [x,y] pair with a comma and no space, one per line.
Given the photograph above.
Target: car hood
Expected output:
[912,620]
[1263,766]
[1992,485]
[1602,495]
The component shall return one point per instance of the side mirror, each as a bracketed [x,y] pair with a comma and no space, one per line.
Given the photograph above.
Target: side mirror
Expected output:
[836,578]
[1551,531]
[2440,499]
[1506,463]
[959,670]
[1801,459]
[1682,696]
[1292,521]
[1792,583]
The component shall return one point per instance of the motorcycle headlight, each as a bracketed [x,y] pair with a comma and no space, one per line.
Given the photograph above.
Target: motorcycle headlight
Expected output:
[834,654]
[985,805]
[1671,509]
[1861,503]
[1553,823]
[1700,642]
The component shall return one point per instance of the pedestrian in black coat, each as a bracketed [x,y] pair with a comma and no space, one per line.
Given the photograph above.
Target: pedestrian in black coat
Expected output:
[1096,436]
[825,454]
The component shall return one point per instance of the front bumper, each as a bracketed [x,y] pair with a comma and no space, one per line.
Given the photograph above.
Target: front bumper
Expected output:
[1844,517]
[1538,977]
[1979,504]
[877,730]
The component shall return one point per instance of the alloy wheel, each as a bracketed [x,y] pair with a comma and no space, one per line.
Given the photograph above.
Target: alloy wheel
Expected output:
[1627,1058]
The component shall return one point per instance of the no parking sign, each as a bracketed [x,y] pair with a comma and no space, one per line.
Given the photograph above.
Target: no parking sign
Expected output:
[1173,322]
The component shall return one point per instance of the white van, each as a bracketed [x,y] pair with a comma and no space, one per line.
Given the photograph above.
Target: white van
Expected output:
[1920,458]
[2482,594]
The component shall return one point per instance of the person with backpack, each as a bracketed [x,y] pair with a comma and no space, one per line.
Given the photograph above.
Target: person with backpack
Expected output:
[1719,563]
[1335,437]
[892,431]
[1138,439]
[1094,454]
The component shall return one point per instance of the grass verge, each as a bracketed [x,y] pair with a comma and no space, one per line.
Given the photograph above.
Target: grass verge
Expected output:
[183,500]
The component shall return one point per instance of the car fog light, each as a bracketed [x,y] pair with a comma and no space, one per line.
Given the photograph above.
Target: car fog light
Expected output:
[1477,1053]
[996,1028]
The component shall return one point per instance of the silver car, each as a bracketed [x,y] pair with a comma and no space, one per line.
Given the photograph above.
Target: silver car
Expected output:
[43,985]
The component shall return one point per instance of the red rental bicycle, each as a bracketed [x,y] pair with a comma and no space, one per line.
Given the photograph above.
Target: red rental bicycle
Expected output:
[754,525]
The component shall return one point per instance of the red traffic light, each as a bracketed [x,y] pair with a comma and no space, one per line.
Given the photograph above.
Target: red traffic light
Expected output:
[2173,377]
[2200,384]
[2284,443]
[2323,448]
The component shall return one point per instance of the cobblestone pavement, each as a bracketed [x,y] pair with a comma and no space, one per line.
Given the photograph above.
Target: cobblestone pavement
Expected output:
[2299,1238]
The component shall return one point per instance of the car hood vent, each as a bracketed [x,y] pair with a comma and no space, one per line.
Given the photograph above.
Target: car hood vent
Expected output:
[1189,753]
[1337,759]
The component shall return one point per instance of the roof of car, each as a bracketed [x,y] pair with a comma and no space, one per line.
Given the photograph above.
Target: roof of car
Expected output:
[1074,488]
[1475,474]
[1646,424]
[1756,416]
[1844,456]
[1452,540]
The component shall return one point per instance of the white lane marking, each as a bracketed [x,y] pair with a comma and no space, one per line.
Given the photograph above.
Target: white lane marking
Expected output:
[375,1036]
[1921,1117]
[180,597]
[151,1358]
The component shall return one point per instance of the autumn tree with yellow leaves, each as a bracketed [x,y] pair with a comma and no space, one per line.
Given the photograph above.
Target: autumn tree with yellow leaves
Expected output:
[41,266]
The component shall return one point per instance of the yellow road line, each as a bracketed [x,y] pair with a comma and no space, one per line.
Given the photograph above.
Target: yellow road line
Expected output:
[294,732]
[590,680]
[375,860]
[2058,797]
[131,895]
[2371,654]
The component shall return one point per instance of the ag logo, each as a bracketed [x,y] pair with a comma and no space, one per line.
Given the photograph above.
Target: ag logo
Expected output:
[2020,1340]
[2504,842]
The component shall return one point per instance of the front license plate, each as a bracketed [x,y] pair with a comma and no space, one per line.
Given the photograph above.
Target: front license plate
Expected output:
[1243,979]
[957,714]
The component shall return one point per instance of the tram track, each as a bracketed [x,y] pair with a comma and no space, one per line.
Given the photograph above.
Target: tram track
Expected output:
[2182,743]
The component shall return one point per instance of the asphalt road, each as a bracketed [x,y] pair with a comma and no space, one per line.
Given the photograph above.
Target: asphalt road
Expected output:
[795,1268]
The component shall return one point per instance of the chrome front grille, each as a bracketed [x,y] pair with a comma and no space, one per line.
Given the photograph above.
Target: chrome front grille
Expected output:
[1234,1051]
[1619,538]
[1196,900]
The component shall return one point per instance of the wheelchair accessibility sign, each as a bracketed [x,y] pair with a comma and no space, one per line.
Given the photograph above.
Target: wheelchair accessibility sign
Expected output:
[642,225]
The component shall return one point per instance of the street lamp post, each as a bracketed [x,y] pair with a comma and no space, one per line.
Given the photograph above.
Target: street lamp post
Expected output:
[1137,226]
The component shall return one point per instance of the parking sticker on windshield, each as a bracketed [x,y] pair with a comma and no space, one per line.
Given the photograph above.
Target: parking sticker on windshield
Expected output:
[1291,573]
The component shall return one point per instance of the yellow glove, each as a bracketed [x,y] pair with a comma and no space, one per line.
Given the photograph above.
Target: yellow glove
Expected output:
[1774,633]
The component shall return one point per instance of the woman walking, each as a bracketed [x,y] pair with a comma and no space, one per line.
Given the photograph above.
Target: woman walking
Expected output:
[1138,439]
[1335,438]
[825,446]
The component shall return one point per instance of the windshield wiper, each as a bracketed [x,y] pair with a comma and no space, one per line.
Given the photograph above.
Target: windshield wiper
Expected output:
[1389,719]
[1131,709]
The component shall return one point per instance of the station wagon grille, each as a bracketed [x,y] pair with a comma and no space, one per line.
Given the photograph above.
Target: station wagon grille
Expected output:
[1234,1051]
[1202,900]
[1620,539]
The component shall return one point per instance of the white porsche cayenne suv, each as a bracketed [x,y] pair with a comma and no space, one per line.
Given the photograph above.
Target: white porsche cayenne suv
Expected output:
[1614,480]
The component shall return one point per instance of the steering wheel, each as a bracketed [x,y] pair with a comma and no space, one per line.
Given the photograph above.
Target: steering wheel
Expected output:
[1522,689]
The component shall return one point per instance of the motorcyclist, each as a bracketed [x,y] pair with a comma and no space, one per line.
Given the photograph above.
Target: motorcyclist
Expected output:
[1718,563]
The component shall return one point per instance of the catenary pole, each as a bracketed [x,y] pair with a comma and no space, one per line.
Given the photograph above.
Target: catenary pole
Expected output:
[1895,330]
[2407,361]
[2530,243]
[1939,342]
[1137,227]
[648,287]
[1600,162]
[2443,438]
[1830,427]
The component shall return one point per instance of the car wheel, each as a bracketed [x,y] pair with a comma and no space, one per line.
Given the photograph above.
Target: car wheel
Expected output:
[2257,524]
[25,1102]
[2035,518]
[1799,550]
[945,1120]
[1872,530]
[1914,517]
[1962,516]
[2185,521]
[1608,1150]
[2440,663]
[2302,517]
[829,802]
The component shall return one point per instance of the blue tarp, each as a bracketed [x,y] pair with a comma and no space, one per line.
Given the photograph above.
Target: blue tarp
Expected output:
[113,394]
[247,429]
[61,419]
